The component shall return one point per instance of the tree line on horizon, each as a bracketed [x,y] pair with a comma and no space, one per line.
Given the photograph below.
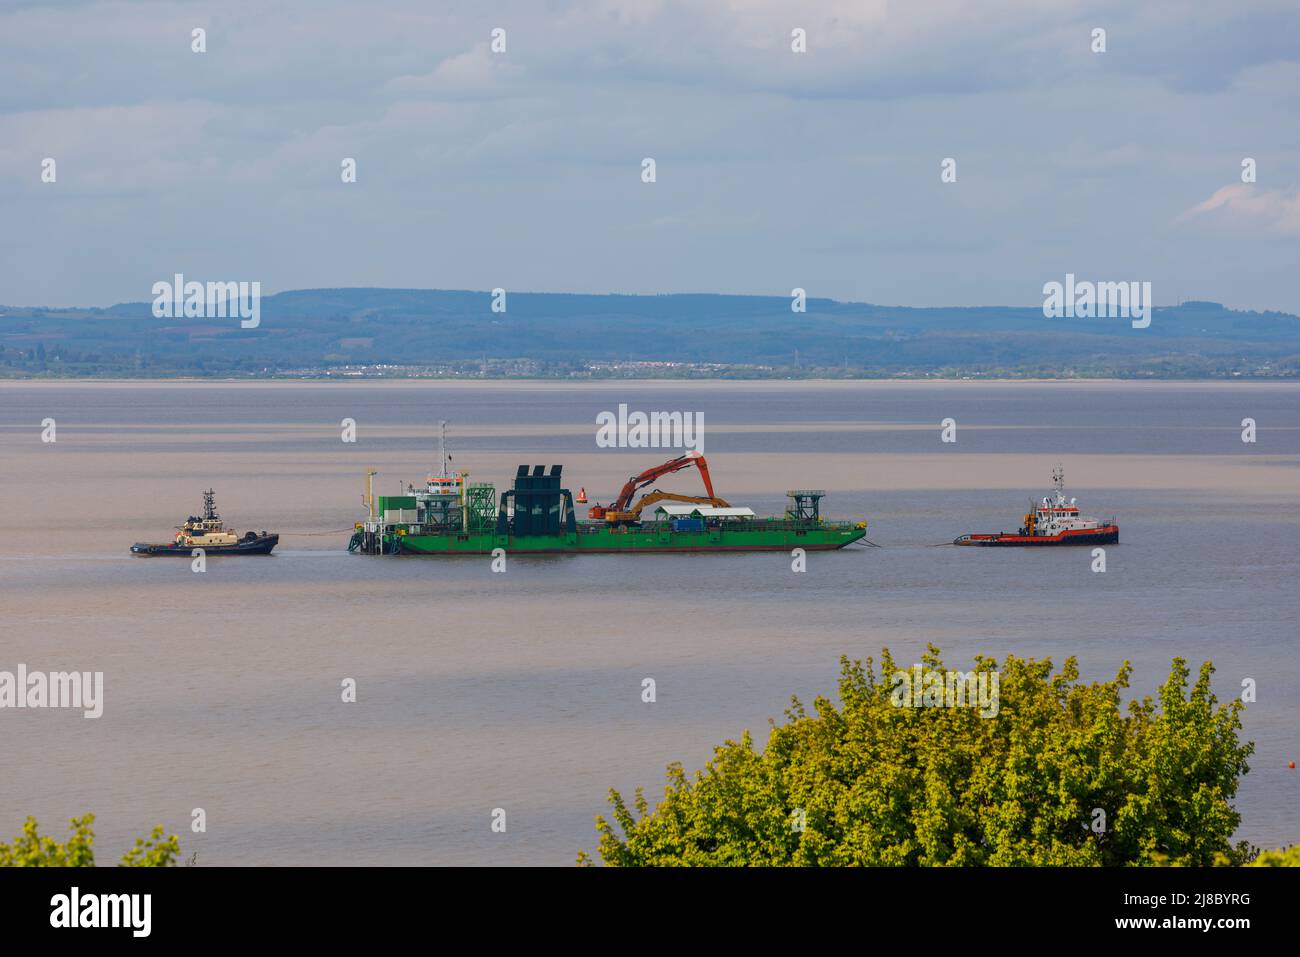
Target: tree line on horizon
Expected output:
[455,333]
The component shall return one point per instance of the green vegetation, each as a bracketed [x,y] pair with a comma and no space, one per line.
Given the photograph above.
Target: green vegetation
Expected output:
[872,783]
[31,849]
[1288,857]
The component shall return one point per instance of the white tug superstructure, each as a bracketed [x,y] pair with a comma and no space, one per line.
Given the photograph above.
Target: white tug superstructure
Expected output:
[206,531]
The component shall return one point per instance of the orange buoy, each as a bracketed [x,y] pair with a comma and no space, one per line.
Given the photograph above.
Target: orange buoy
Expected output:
[1291,765]
[582,496]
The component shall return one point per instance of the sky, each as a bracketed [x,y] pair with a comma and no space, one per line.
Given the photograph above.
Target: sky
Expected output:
[774,169]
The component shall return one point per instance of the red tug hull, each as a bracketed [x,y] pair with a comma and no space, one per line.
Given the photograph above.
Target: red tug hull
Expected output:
[1105,535]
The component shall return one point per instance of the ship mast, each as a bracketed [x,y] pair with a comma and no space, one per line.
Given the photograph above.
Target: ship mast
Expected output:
[1058,479]
[442,448]
[210,506]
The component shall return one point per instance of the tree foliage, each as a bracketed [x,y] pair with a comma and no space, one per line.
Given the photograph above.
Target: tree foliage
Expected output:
[33,849]
[1285,857]
[872,783]
[154,851]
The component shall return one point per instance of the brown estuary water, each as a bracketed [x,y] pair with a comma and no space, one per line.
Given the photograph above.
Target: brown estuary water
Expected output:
[522,690]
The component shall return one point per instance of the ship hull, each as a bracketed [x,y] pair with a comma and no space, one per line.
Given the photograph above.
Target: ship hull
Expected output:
[634,541]
[1106,535]
[261,545]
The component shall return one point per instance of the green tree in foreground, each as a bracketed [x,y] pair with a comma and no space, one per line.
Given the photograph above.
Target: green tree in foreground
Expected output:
[31,849]
[872,783]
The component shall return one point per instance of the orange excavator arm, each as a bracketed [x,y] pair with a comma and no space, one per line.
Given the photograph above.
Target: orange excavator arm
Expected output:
[640,481]
[649,475]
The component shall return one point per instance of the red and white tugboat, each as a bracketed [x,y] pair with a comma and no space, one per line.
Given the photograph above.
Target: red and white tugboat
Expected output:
[1053,521]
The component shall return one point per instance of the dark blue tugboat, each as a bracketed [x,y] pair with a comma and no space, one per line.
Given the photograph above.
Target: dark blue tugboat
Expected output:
[211,535]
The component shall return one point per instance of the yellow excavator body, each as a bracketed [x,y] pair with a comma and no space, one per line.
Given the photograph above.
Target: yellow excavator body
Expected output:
[633,514]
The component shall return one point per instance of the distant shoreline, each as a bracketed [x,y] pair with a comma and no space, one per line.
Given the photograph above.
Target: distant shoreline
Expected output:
[375,334]
[612,385]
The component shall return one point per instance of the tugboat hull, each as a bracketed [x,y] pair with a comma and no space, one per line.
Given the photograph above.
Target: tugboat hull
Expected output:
[259,545]
[1106,535]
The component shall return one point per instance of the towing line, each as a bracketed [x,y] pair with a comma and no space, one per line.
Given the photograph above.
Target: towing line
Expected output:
[334,531]
[863,541]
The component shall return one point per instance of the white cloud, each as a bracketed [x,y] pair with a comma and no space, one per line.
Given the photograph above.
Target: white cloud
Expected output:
[1247,204]
[474,73]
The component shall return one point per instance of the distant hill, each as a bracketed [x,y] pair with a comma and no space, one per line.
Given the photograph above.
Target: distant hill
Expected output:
[455,333]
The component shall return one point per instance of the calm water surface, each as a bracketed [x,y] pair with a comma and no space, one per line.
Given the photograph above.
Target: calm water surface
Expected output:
[522,691]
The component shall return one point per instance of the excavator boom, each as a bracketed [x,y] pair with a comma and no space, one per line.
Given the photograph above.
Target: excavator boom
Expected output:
[618,511]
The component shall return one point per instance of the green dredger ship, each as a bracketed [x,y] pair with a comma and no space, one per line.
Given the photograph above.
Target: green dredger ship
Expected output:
[450,516]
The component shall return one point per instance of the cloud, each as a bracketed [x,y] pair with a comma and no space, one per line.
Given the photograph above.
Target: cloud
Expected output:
[1247,205]
[474,73]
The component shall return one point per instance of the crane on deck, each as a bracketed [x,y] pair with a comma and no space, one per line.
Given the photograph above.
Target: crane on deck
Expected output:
[621,511]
